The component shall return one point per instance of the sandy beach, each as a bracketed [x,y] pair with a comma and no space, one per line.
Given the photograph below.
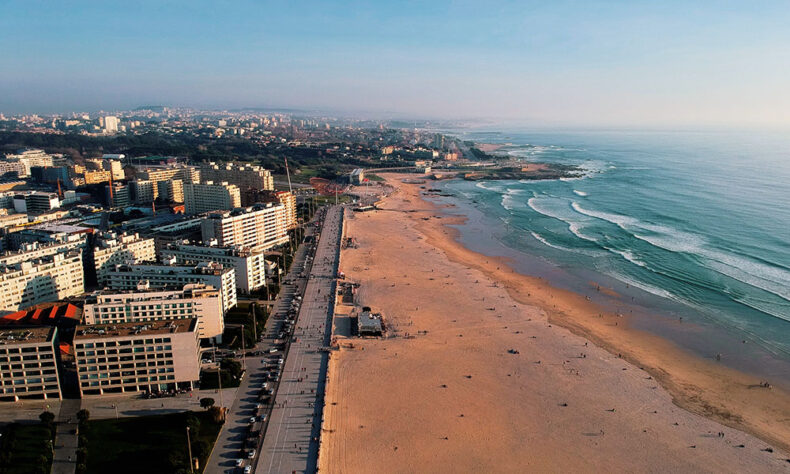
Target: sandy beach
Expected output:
[485,369]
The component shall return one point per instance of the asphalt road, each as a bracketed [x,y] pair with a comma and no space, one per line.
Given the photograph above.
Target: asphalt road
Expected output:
[235,441]
[292,437]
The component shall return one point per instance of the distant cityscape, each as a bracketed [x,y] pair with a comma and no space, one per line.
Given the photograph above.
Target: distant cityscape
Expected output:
[103,230]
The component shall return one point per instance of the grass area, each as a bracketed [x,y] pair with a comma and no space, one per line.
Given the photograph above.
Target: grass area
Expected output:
[209,380]
[26,449]
[149,444]
[341,199]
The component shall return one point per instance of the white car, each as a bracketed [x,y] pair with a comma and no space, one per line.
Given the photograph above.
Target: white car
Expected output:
[239,462]
[251,454]
[248,470]
[252,420]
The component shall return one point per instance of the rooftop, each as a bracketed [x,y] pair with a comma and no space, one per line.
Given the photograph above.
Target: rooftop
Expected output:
[135,329]
[26,336]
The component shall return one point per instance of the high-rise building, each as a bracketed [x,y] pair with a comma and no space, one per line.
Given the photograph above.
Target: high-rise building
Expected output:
[245,176]
[111,249]
[171,190]
[28,367]
[187,174]
[119,196]
[262,226]
[200,198]
[144,192]
[36,202]
[135,357]
[110,124]
[137,276]
[194,300]
[40,280]
[249,264]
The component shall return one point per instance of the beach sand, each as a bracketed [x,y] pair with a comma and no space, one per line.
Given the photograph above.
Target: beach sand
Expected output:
[445,391]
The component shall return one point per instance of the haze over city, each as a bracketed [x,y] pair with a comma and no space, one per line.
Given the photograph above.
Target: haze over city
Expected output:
[568,63]
[243,237]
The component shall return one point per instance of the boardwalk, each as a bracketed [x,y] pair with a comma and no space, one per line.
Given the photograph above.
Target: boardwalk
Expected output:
[291,441]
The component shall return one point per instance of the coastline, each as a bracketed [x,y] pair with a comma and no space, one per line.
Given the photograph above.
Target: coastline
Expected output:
[729,396]
[375,384]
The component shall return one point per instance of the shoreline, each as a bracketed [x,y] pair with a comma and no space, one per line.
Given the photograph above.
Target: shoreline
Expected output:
[683,365]
[488,347]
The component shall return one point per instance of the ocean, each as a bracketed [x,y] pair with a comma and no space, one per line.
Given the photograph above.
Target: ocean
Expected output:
[692,229]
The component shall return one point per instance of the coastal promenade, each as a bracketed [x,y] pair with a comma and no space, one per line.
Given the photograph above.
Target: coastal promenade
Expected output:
[292,437]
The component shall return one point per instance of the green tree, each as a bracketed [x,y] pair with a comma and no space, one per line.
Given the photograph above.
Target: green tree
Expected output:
[47,417]
[207,402]
[83,415]
[193,424]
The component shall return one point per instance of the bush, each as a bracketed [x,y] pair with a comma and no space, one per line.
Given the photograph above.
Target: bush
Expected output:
[47,417]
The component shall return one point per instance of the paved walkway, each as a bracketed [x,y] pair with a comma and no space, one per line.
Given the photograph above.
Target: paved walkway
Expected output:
[64,459]
[292,437]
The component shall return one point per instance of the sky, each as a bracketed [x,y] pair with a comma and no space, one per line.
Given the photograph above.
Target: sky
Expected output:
[623,63]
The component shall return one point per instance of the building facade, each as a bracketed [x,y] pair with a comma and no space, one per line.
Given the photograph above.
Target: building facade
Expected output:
[249,264]
[245,176]
[113,249]
[48,278]
[207,197]
[194,300]
[135,357]
[130,277]
[262,226]
[28,367]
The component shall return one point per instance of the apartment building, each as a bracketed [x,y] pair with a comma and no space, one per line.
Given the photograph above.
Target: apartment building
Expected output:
[249,263]
[28,368]
[111,249]
[143,192]
[261,226]
[187,174]
[137,357]
[245,176]
[171,190]
[28,158]
[129,277]
[210,196]
[39,280]
[194,300]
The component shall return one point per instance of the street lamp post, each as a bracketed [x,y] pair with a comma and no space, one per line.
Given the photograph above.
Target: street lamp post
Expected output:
[189,447]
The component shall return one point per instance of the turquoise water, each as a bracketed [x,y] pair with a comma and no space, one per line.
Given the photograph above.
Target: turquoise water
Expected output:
[695,225]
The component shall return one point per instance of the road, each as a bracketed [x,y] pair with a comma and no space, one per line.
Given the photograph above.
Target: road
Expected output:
[235,440]
[292,437]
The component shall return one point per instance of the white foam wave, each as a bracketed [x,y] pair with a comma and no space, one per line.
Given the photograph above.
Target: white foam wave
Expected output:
[546,242]
[580,193]
[648,288]
[759,275]
[575,230]
[628,255]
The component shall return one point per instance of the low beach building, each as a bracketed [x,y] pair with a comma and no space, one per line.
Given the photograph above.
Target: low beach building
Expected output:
[135,357]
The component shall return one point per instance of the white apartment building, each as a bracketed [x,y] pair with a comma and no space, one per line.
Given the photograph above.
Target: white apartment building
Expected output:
[207,197]
[136,357]
[144,192]
[171,190]
[129,277]
[245,176]
[194,300]
[261,226]
[187,174]
[47,278]
[28,158]
[113,249]
[249,263]
[27,363]
[111,124]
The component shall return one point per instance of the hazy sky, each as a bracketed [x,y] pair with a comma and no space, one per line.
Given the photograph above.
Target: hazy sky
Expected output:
[553,62]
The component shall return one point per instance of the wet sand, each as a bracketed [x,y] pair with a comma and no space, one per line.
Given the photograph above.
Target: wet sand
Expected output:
[488,370]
